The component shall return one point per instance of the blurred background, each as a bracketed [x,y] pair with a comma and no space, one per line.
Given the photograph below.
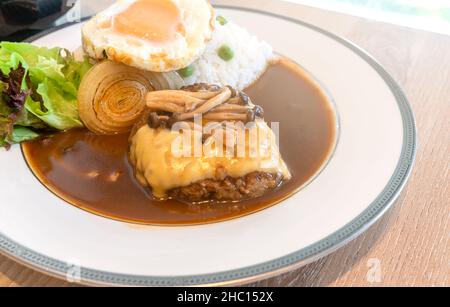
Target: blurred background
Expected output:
[429,15]
[20,19]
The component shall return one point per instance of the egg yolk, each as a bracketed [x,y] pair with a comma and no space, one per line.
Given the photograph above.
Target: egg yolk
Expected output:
[155,20]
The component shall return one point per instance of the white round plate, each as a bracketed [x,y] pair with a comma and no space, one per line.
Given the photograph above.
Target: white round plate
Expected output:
[371,164]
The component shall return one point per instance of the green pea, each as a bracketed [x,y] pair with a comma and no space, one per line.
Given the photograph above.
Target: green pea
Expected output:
[226,53]
[186,72]
[222,21]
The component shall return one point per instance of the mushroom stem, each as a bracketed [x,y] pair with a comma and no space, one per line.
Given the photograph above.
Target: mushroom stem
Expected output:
[226,116]
[165,106]
[201,87]
[177,97]
[231,108]
[235,100]
[202,95]
[220,98]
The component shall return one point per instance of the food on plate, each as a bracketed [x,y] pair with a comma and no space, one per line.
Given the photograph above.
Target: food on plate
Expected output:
[162,116]
[155,35]
[40,86]
[111,96]
[94,172]
[38,91]
[219,172]
[233,57]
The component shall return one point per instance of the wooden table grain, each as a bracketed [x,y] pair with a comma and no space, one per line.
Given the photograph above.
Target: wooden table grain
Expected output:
[410,245]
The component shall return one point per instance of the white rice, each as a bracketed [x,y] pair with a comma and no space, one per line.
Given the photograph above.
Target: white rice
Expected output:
[251,57]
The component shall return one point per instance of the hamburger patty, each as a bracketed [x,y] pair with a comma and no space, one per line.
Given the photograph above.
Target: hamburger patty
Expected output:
[250,186]
[215,177]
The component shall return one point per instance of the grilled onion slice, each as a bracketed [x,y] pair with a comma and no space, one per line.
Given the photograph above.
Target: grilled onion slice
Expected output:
[111,96]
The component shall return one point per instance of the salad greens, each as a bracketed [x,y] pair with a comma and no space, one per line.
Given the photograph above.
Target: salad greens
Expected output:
[38,91]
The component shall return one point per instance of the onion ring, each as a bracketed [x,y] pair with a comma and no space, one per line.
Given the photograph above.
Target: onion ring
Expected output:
[111,97]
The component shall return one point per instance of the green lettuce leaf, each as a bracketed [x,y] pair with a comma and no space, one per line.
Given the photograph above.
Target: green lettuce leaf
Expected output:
[52,80]
[23,134]
[28,53]
[59,110]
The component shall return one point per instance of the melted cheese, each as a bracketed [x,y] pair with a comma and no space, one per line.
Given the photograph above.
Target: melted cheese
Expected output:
[161,168]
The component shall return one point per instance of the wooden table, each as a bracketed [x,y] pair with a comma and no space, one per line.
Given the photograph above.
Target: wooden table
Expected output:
[411,244]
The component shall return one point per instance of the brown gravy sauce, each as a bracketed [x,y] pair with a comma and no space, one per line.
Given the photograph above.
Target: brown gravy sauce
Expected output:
[92,172]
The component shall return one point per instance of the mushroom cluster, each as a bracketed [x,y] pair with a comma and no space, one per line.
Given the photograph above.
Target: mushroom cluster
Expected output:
[214,103]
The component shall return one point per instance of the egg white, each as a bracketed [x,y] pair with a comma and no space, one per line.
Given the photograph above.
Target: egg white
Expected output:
[101,40]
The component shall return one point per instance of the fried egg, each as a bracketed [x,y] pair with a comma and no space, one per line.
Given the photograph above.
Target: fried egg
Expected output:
[154,35]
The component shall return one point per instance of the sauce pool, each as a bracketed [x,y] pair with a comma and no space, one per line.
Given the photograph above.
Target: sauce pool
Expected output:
[92,172]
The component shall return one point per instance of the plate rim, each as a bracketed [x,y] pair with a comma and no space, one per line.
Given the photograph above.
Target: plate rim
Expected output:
[384,201]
